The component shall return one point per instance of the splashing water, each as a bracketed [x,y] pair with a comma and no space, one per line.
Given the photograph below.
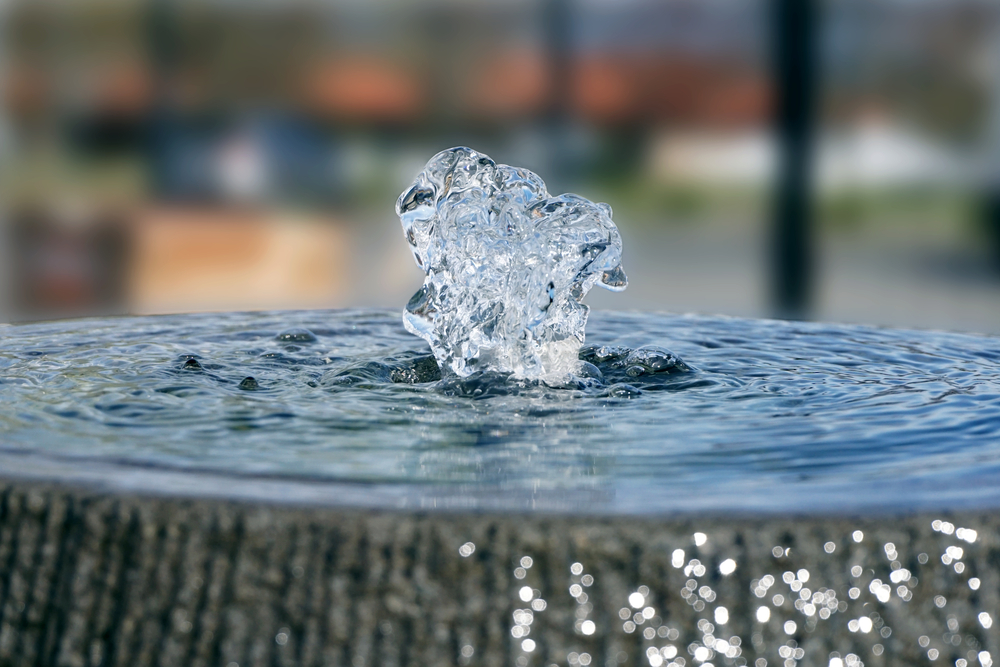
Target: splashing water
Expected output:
[507,266]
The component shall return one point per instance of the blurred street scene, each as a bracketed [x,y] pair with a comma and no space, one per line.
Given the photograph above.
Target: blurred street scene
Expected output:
[180,155]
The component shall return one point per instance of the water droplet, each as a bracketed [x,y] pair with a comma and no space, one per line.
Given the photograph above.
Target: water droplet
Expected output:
[249,384]
[297,335]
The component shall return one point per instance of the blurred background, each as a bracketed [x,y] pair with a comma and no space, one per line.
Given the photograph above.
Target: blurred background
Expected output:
[183,155]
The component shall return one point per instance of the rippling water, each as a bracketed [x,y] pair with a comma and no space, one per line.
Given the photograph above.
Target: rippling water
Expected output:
[771,416]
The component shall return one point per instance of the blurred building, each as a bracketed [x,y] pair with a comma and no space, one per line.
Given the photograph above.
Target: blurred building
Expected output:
[175,155]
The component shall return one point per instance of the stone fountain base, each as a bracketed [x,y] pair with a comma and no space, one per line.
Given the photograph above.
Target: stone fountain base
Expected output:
[98,578]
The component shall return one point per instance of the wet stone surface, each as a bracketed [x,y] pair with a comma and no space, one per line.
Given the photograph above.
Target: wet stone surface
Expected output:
[89,578]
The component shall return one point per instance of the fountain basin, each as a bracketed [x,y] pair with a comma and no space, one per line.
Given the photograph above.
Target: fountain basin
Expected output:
[98,578]
[346,507]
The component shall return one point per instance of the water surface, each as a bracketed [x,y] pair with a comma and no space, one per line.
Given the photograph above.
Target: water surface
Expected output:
[773,416]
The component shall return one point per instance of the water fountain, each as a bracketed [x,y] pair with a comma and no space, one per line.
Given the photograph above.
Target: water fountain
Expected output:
[324,488]
[507,266]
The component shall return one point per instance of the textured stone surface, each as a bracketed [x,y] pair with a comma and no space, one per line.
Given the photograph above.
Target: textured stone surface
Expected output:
[96,579]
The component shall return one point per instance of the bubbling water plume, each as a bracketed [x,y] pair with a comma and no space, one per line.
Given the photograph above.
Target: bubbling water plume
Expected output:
[507,266]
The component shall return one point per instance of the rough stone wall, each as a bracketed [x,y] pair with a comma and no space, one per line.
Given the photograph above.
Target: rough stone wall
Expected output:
[94,579]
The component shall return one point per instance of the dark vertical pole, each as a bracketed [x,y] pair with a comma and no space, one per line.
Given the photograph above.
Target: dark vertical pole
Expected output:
[795,74]
[992,194]
[992,213]
[442,27]
[557,27]
[162,45]
[6,131]
[556,18]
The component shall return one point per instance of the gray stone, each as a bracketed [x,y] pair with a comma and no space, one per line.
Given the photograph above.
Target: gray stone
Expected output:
[99,578]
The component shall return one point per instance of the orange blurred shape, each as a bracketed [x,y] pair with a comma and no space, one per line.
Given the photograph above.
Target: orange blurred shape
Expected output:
[606,89]
[196,260]
[512,84]
[25,91]
[731,99]
[363,88]
[664,87]
[124,89]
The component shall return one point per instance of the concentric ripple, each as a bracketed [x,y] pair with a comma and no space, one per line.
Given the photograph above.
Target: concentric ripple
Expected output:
[759,415]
